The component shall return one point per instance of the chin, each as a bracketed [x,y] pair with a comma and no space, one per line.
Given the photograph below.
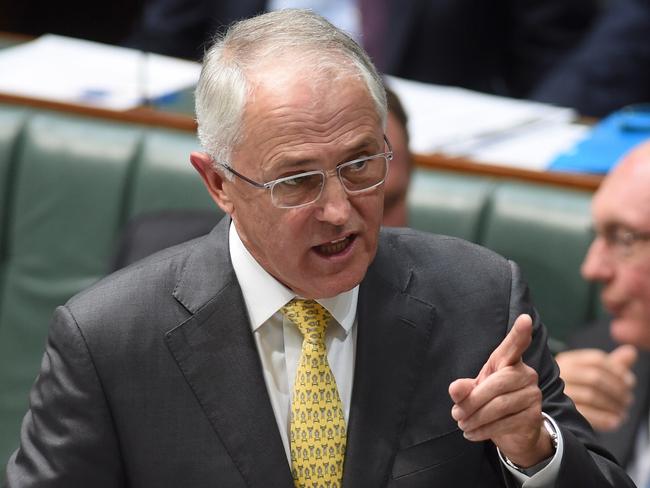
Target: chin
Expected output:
[336,285]
[629,331]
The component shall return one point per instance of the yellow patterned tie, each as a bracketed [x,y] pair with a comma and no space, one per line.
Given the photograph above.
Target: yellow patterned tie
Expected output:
[317,421]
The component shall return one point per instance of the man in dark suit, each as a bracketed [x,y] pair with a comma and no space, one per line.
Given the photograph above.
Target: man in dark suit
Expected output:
[610,68]
[501,47]
[297,345]
[608,377]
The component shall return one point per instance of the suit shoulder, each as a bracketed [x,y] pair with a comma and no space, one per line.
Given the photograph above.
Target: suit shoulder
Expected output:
[145,280]
[424,248]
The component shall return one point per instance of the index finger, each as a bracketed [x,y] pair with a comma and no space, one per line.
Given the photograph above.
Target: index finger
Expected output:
[512,347]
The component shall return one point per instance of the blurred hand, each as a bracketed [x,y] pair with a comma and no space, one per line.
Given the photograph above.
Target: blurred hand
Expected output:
[600,384]
[504,402]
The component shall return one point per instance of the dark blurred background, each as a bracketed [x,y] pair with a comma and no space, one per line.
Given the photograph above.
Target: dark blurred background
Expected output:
[98,21]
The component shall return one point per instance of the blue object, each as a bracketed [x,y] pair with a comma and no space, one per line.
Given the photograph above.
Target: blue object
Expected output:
[607,142]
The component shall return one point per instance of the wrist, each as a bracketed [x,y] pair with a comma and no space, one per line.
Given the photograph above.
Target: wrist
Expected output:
[544,449]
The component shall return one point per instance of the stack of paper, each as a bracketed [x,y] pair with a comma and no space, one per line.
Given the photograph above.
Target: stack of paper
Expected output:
[76,71]
[486,128]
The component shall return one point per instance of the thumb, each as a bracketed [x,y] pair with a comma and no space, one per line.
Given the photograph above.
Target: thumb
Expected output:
[625,355]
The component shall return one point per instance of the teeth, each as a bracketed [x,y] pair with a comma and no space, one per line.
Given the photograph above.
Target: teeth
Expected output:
[334,247]
[338,240]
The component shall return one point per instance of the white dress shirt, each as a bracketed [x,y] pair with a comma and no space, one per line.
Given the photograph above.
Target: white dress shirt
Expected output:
[279,344]
[639,468]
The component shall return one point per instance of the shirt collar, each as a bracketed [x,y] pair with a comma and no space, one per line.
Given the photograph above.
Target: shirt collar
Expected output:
[264,295]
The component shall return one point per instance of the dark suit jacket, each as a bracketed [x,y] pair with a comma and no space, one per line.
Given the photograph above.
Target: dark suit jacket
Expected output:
[498,46]
[620,442]
[611,67]
[152,377]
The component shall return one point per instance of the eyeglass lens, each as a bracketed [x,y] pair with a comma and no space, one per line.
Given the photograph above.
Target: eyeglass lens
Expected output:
[305,188]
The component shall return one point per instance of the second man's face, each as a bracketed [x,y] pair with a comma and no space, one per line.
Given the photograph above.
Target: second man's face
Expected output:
[623,204]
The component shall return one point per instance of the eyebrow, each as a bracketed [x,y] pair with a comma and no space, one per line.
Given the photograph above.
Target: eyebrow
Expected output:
[358,147]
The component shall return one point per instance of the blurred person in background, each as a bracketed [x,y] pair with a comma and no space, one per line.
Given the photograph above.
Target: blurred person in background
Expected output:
[611,66]
[495,47]
[401,167]
[608,374]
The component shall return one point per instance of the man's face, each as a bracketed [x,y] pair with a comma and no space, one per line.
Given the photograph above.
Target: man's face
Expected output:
[399,175]
[291,126]
[623,202]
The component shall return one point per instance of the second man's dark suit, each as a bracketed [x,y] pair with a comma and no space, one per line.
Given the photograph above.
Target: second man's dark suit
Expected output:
[152,377]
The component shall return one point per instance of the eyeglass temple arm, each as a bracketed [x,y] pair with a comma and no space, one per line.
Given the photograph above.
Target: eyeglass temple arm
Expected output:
[245,178]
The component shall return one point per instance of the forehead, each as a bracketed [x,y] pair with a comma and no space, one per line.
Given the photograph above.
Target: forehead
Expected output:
[624,197]
[287,102]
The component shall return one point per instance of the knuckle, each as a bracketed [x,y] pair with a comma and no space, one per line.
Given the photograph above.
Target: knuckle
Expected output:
[588,396]
[532,376]
[592,377]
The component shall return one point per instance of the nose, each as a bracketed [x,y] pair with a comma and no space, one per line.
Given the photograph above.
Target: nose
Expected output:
[598,264]
[334,202]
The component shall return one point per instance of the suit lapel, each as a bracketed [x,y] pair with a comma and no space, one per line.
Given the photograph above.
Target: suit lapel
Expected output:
[216,352]
[393,337]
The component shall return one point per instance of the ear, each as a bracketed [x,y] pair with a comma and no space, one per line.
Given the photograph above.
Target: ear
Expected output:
[212,179]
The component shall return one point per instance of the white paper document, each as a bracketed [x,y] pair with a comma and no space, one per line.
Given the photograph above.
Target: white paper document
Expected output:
[83,72]
[486,128]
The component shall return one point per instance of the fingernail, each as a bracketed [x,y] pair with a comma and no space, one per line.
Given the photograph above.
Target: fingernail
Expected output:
[630,379]
[468,435]
[455,412]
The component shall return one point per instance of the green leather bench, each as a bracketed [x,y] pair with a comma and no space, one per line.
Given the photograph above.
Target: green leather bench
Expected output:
[69,184]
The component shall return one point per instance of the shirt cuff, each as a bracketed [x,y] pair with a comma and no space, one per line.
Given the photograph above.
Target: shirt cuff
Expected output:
[544,474]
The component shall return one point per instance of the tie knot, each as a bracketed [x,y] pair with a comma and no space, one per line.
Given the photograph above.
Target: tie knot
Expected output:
[310,317]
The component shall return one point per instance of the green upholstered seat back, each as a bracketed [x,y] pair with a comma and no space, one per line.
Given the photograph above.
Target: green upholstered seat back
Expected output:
[68,185]
[447,203]
[165,178]
[547,232]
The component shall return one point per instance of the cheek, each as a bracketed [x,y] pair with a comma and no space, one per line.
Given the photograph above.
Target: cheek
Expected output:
[370,207]
[259,223]
[638,284]
[634,324]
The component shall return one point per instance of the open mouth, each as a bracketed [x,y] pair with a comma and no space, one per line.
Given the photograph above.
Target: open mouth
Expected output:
[335,247]
[613,307]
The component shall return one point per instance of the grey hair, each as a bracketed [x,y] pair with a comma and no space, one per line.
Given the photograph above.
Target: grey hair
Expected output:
[224,87]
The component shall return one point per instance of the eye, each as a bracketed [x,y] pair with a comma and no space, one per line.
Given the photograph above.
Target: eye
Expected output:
[301,180]
[357,165]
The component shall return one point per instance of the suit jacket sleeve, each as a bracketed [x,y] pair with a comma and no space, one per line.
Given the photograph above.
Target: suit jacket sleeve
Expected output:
[67,437]
[584,462]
